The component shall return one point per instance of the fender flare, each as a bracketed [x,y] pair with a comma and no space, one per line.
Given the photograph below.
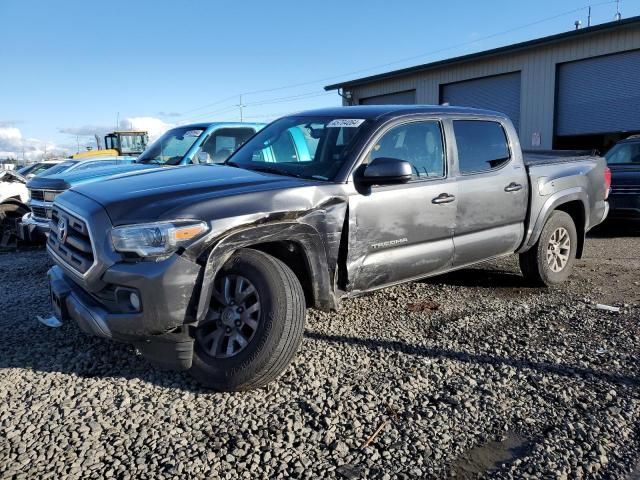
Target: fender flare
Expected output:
[303,234]
[552,204]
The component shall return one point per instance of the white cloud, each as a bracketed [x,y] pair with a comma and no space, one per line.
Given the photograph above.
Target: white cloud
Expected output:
[153,125]
[14,145]
[86,130]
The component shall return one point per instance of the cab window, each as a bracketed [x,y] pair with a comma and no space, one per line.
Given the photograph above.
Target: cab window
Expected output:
[482,145]
[419,143]
[624,153]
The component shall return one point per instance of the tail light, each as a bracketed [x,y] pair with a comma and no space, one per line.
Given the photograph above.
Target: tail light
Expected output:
[607,182]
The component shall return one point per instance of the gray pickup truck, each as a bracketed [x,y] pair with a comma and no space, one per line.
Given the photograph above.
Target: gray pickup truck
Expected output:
[210,268]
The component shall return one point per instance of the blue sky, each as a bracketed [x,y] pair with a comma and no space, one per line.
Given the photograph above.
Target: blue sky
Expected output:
[76,66]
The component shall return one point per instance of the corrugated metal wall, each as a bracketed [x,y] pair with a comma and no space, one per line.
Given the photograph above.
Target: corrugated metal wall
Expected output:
[400,98]
[500,93]
[599,95]
[537,68]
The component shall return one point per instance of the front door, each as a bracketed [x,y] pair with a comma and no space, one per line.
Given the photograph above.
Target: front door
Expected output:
[492,192]
[404,231]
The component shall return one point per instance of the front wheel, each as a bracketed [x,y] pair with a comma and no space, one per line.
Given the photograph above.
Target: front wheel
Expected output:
[550,261]
[254,324]
[10,213]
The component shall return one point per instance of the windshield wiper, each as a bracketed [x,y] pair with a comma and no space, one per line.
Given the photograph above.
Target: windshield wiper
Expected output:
[273,170]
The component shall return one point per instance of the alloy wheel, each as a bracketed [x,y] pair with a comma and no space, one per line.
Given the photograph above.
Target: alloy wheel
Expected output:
[558,249]
[233,317]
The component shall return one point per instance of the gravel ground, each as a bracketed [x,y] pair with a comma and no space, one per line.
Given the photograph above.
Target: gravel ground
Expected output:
[469,375]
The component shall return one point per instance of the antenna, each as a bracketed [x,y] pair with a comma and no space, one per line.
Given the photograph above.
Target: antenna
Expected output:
[589,17]
[618,15]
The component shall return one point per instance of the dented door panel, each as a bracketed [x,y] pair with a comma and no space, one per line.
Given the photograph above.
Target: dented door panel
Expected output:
[399,233]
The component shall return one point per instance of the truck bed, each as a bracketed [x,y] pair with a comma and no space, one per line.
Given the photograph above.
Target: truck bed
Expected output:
[549,157]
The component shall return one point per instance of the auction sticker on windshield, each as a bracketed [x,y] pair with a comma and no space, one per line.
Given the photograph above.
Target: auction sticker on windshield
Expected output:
[193,133]
[345,122]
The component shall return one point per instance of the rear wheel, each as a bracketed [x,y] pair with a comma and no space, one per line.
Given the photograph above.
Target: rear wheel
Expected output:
[10,213]
[254,324]
[551,259]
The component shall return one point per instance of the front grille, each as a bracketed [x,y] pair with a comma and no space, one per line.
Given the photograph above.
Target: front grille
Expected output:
[36,195]
[40,213]
[70,240]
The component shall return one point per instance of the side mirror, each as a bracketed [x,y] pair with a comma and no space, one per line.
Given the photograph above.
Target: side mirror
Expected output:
[386,171]
[203,157]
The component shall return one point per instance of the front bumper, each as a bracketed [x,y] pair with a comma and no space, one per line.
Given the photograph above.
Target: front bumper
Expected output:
[166,290]
[31,229]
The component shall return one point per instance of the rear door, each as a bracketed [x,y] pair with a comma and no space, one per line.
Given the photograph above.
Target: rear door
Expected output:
[404,231]
[492,191]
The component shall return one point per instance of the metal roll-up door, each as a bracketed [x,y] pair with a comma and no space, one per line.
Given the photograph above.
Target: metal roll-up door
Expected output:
[599,95]
[500,93]
[399,98]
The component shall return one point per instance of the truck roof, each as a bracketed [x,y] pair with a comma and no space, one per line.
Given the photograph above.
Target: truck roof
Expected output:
[205,125]
[377,111]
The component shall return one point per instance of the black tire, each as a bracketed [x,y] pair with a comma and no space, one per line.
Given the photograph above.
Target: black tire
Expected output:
[278,334]
[9,213]
[534,264]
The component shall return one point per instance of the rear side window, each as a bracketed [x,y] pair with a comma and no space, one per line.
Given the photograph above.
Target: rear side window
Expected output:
[482,145]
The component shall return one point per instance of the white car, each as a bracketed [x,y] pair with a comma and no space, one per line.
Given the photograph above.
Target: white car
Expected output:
[14,195]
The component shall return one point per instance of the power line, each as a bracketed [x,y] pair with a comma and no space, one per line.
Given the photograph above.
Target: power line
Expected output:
[291,98]
[406,59]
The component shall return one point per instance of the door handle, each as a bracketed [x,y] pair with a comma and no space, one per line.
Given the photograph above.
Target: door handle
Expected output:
[513,187]
[443,198]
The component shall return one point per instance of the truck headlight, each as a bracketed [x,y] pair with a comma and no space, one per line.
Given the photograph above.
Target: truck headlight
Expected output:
[50,196]
[156,239]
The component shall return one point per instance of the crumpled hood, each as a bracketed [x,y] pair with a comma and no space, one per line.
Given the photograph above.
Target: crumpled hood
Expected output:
[180,192]
[11,176]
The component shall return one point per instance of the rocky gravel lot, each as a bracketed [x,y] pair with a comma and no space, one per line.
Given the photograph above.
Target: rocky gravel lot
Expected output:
[470,375]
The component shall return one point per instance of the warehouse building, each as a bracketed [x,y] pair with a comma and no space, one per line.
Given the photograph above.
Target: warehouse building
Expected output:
[579,89]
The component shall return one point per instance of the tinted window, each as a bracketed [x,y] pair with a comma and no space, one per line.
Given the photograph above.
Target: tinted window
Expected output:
[482,146]
[624,153]
[59,168]
[419,143]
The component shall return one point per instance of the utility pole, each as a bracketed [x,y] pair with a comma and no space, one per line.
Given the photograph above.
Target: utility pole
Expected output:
[240,106]
[589,17]
[618,14]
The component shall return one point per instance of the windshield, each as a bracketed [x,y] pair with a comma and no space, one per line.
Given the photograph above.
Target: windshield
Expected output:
[59,168]
[171,147]
[623,154]
[38,168]
[131,143]
[306,147]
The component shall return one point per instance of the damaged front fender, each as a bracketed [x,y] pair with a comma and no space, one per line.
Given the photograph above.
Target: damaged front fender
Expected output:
[320,256]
